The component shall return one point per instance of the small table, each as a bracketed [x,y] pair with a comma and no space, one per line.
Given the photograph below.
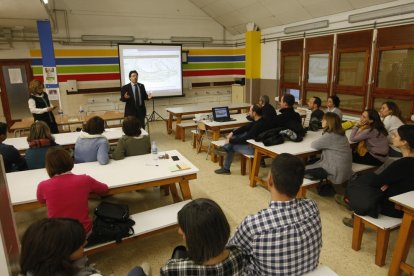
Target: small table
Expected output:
[217,127]
[179,111]
[405,202]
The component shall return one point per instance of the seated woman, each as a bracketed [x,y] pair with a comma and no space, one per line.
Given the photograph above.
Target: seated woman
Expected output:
[371,134]
[332,105]
[205,230]
[66,194]
[91,144]
[336,157]
[40,140]
[392,119]
[132,143]
[54,247]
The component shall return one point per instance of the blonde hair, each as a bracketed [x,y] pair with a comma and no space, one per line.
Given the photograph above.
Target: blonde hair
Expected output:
[39,130]
[333,123]
[34,85]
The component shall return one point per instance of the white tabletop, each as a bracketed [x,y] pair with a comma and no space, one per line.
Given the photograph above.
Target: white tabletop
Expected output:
[198,108]
[131,170]
[67,138]
[240,118]
[406,199]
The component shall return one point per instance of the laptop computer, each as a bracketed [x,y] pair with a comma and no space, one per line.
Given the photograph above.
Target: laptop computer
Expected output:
[222,114]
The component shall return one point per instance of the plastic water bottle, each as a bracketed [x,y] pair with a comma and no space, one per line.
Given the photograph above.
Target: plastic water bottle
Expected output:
[154,151]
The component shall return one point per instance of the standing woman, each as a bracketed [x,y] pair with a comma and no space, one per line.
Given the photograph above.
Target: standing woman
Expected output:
[371,136]
[336,158]
[40,106]
[392,119]
[332,105]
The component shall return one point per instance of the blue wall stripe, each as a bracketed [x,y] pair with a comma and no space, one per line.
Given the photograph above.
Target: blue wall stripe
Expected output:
[215,58]
[79,61]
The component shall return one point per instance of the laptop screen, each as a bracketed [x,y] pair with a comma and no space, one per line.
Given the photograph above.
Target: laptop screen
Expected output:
[220,113]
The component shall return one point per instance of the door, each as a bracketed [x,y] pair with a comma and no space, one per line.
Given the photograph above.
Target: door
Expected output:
[14,78]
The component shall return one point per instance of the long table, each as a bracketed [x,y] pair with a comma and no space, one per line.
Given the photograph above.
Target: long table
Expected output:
[67,139]
[179,111]
[23,125]
[130,174]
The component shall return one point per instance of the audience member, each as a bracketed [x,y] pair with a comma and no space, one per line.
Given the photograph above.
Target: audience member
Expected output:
[371,134]
[268,111]
[236,141]
[336,157]
[332,105]
[66,194]
[392,119]
[288,117]
[40,140]
[54,247]
[91,144]
[314,104]
[40,106]
[132,143]
[205,231]
[285,238]
[12,159]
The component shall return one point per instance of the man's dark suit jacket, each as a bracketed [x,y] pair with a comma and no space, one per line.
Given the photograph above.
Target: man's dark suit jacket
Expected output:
[131,108]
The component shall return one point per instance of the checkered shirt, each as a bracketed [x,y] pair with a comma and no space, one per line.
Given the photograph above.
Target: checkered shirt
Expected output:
[233,265]
[284,239]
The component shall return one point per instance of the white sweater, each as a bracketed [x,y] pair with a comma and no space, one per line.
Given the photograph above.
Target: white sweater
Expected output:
[392,123]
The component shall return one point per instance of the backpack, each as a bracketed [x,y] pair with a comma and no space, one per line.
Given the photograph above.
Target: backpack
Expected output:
[112,223]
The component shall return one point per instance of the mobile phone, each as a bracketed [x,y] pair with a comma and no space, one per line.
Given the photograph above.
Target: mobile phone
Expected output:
[175,158]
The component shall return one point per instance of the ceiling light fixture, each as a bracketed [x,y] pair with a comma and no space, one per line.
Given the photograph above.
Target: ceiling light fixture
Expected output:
[307,27]
[105,38]
[377,14]
[191,39]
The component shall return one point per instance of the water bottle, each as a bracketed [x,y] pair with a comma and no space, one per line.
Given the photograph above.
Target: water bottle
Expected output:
[154,151]
[81,113]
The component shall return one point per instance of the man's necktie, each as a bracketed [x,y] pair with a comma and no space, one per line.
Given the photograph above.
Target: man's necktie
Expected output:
[138,99]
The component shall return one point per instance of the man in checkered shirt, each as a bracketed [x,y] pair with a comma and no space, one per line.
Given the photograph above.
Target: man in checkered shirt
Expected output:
[285,238]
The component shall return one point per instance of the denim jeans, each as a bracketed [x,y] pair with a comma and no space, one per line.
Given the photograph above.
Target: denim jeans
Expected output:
[232,149]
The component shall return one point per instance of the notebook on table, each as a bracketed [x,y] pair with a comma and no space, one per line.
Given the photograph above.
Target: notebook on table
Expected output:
[221,114]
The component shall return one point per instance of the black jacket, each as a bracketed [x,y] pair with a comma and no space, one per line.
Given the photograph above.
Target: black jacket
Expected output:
[131,108]
[286,118]
[250,131]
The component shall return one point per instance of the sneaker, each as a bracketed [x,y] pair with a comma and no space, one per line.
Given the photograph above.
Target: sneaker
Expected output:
[222,171]
[341,200]
[348,222]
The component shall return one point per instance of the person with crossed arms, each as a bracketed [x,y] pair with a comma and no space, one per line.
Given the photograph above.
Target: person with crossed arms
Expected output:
[134,95]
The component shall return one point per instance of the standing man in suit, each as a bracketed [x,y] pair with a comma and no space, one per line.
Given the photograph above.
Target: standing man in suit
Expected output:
[134,95]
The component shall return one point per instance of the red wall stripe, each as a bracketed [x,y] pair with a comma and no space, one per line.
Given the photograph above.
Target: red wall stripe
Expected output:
[213,72]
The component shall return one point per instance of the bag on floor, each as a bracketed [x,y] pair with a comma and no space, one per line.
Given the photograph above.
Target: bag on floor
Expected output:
[316,174]
[112,223]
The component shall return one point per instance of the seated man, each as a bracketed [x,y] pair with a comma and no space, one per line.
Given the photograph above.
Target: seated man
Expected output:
[314,104]
[268,111]
[286,237]
[12,159]
[236,141]
[288,118]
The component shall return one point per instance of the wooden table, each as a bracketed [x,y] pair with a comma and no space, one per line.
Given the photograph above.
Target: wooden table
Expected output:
[301,149]
[19,127]
[130,174]
[217,127]
[67,139]
[178,112]
[405,202]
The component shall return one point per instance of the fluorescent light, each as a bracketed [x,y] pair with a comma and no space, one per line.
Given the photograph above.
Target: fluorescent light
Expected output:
[191,39]
[392,11]
[307,27]
[113,38]
[45,2]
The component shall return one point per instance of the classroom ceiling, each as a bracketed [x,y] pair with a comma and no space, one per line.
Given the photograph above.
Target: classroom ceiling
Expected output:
[16,15]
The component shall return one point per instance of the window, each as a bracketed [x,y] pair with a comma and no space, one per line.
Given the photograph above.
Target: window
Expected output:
[291,69]
[396,69]
[351,102]
[352,69]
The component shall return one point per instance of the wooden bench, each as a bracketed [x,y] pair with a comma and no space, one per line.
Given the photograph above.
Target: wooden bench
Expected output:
[146,224]
[321,270]
[181,127]
[383,225]
[308,184]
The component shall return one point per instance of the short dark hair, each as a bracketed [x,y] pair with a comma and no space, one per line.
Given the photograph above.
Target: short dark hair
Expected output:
[39,130]
[258,109]
[58,161]
[395,110]
[336,101]
[132,72]
[48,244]
[3,128]
[265,99]
[406,133]
[317,101]
[131,126]
[205,227]
[95,125]
[287,173]
[289,99]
